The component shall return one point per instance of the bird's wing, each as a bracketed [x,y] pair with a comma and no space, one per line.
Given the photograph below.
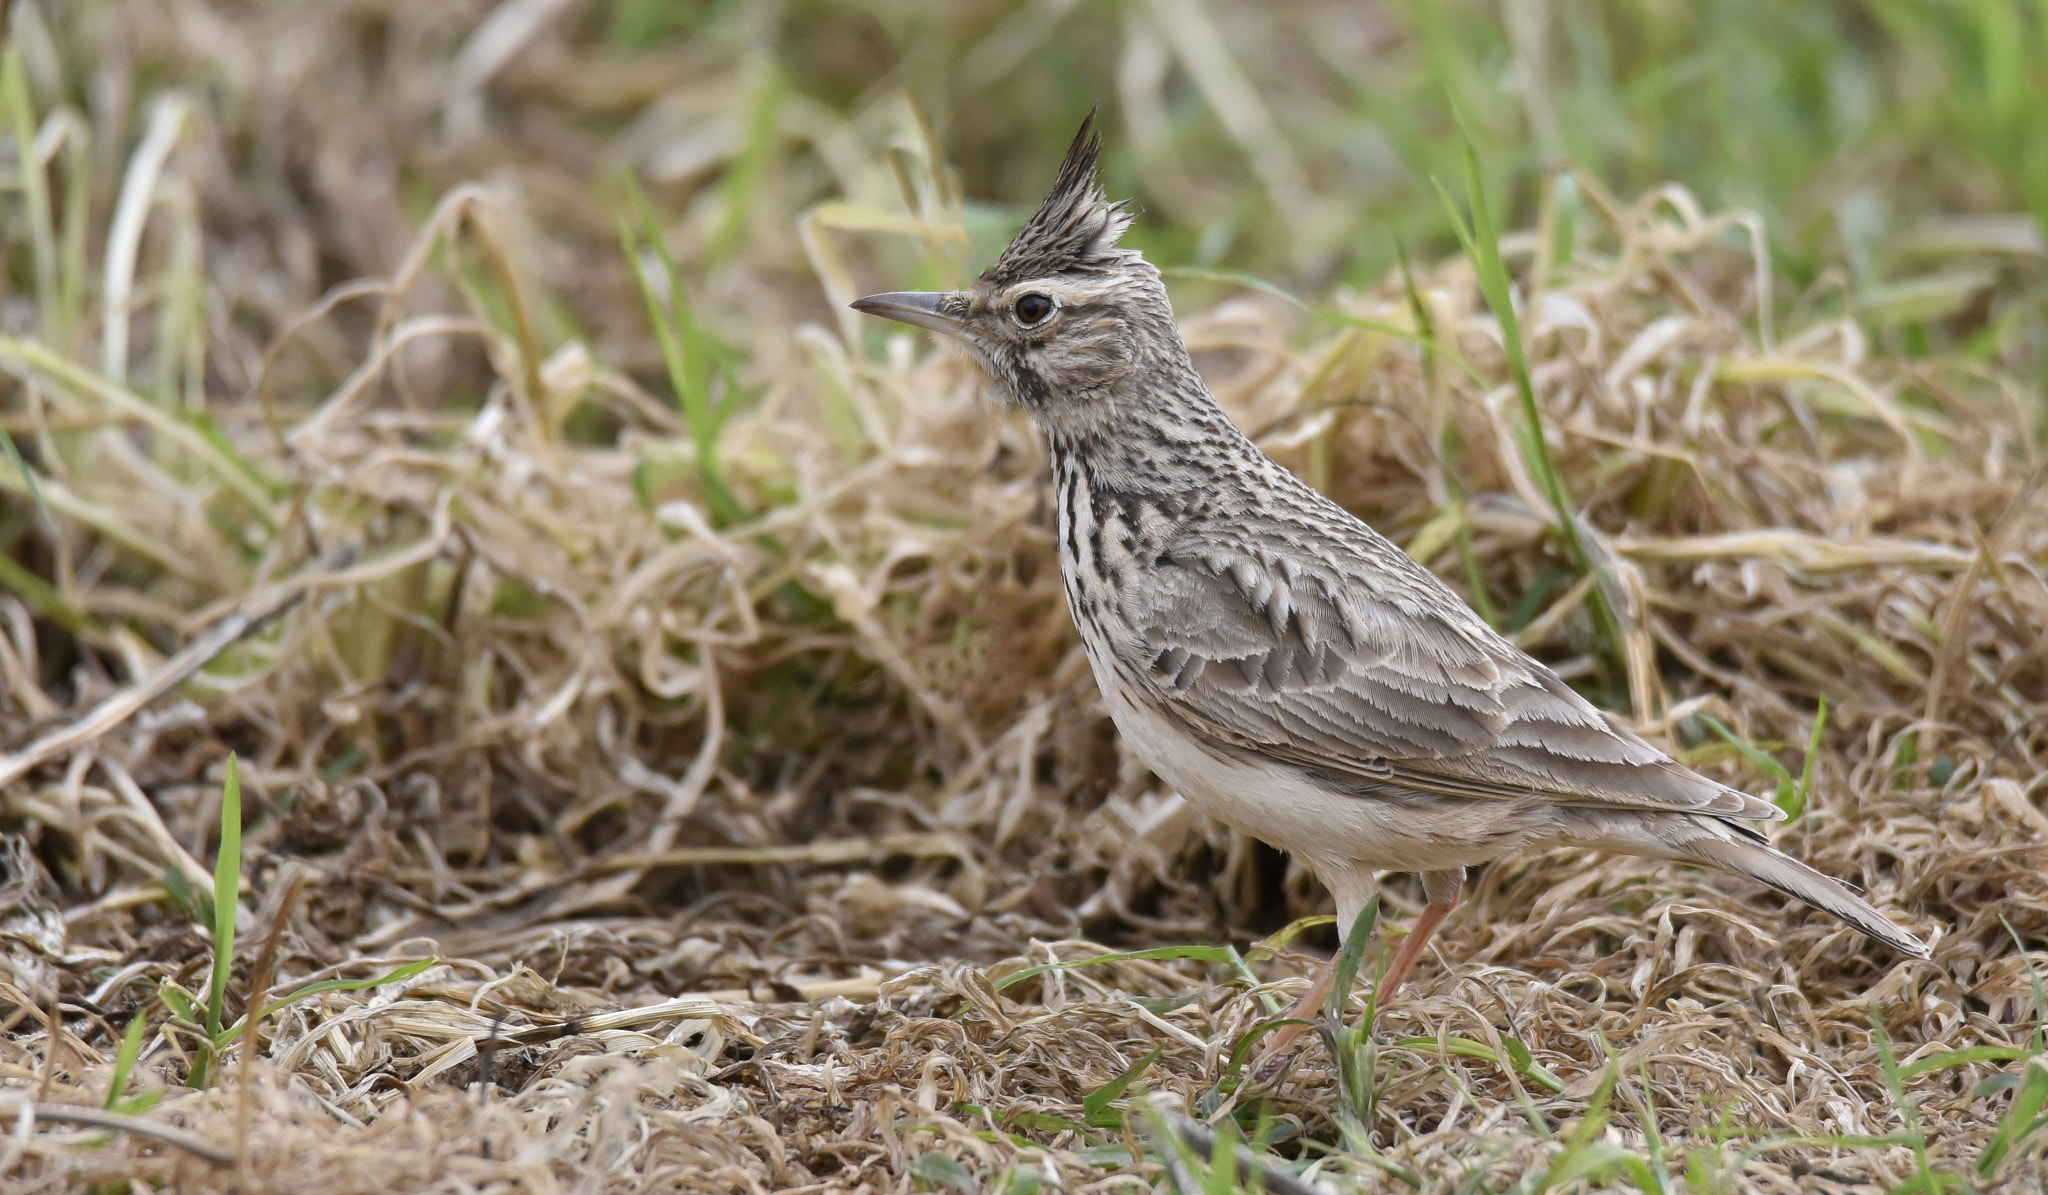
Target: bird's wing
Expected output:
[1348,661]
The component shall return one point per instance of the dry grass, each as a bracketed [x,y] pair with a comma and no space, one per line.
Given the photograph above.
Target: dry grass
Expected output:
[726,775]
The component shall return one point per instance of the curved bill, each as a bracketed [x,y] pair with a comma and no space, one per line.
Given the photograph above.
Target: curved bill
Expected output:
[925,308]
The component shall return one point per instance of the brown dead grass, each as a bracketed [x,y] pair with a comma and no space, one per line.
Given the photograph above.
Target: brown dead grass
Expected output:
[793,794]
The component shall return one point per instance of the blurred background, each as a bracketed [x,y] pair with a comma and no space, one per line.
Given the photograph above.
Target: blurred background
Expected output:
[1894,148]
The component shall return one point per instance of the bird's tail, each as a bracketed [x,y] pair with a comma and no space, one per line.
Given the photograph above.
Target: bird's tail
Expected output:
[1767,864]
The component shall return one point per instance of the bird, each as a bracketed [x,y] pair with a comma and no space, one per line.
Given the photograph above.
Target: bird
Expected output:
[1283,666]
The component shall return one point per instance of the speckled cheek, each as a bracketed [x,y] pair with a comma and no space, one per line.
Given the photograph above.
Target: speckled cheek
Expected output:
[1030,388]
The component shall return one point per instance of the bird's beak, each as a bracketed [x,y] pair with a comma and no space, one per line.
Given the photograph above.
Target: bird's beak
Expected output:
[924,308]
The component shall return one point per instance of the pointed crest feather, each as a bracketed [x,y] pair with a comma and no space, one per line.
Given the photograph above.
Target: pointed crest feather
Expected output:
[1076,229]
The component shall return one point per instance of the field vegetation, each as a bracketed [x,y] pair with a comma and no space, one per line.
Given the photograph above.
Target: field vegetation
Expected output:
[506,684]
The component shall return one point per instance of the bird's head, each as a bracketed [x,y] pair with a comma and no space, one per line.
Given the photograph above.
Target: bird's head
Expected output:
[1064,319]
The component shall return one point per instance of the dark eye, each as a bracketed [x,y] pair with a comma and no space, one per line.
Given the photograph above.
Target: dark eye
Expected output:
[1033,308]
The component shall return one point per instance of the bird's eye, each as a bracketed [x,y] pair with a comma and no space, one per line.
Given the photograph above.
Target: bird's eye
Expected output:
[1033,308]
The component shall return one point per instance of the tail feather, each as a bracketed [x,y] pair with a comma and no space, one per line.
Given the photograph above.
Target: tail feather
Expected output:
[1771,866]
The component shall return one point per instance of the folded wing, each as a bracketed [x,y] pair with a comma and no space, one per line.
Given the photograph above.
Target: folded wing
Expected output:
[1348,661]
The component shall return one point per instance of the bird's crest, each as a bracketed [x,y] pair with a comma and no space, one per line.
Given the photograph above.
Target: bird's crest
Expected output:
[1075,230]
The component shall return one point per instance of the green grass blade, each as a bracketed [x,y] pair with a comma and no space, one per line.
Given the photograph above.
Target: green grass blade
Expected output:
[1095,1106]
[1949,1059]
[35,185]
[1272,944]
[741,187]
[1564,234]
[1909,1109]
[1425,326]
[1803,792]
[1349,959]
[2023,1118]
[1645,1104]
[180,1002]
[72,237]
[1762,759]
[140,1102]
[944,1174]
[1597,1161]
[1481,242]
[1584,1155]
[45,600]
[235,471]
[28,477]
[635,243]
[689,354]
[2039,1041]
[227,892]
[42,234]
[1464,1047]
[395,975]
[1222,1176]
[1475,575]
[1442,428]
[1351,1047]
[126,1056]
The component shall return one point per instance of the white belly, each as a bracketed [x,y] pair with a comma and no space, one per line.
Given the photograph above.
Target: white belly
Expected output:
[1333,833]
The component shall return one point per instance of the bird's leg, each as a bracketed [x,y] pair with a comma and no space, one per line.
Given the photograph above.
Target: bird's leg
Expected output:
[1304,1010]
[1442,888]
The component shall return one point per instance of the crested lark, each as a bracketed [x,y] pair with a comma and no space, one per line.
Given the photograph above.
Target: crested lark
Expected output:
[1277,661]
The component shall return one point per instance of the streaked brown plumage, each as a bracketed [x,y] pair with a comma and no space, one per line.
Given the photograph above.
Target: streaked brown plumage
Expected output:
[1286,668]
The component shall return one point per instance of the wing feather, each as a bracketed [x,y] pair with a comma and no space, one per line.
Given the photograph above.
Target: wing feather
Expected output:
[1364,668]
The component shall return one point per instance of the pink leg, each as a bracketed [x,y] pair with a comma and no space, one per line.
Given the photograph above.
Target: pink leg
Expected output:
[1305,1009]
[1442,888]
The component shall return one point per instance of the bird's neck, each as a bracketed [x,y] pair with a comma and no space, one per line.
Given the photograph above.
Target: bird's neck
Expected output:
[1160,432]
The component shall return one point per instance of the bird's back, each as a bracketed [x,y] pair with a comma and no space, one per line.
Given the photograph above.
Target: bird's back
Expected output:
[1264,618]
